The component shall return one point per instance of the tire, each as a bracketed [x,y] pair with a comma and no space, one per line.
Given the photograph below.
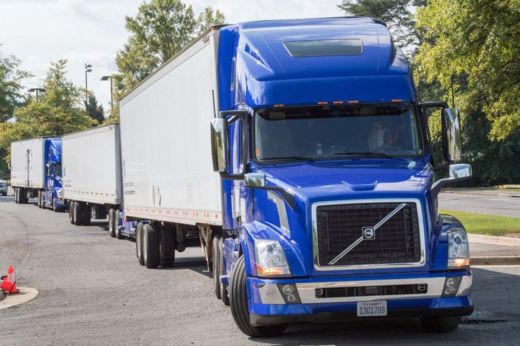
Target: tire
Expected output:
[139,243]
[150,246]
[117,230]
[224,292]
[71,212]
[239,307]
[216,267]
[40,199]
[441,325]
[111,229]
[15,195]
[167,246]
[78,213]
[86,214]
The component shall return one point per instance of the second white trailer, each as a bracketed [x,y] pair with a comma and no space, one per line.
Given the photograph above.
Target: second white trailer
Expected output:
[169,182]
[92,175]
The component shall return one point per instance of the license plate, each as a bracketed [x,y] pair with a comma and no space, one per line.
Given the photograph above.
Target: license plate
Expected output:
[366,309]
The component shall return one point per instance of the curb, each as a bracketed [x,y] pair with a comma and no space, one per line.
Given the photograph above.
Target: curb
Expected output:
[494,240]
[495,260]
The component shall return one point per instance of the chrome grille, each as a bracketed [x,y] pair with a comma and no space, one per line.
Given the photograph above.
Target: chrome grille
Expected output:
[396,241]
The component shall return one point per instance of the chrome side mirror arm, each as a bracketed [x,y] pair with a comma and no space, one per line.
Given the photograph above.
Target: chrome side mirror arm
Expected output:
[457,172]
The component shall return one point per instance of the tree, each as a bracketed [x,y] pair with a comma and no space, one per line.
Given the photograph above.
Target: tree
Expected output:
[94,110]
[11,88]
[471,50]
[160,29]
[475,43]
[397,14]
[56,113]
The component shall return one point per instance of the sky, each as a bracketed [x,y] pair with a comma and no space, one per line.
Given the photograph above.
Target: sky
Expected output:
[92,31]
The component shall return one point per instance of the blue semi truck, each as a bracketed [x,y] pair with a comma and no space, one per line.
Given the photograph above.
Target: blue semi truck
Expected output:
[36,172]
[323,204]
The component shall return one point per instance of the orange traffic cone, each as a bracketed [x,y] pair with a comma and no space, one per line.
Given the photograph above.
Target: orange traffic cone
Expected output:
[9,282]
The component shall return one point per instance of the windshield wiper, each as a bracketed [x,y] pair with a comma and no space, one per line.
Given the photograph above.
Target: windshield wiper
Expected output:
[291,158]
[365,153]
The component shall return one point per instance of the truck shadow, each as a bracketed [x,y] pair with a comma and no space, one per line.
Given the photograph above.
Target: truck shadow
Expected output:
[495,313]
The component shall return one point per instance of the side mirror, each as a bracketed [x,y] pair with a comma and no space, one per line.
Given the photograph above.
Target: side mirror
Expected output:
[457,172]
[219,144]
[451,135]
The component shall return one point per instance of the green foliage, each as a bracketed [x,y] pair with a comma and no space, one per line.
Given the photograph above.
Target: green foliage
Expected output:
[160,29]
[55,114]
[476,41]
[94,110]
[397,14]
[10,86]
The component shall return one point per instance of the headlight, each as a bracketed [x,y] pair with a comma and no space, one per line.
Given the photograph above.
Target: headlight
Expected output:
[458,249]
[270,258]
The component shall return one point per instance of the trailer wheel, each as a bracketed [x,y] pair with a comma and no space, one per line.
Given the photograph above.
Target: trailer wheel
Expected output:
[86,214]
[216,267]
[224,292]
[239,307]
[150,246]
[71,212]
[442,324]
[139,243]
[111,229]
[78,213]
[167,246]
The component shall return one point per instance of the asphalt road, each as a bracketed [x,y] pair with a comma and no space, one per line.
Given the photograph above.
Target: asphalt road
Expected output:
[481,203]
[92,291]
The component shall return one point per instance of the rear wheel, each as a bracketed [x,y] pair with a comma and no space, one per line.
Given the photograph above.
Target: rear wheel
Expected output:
[216,267]
[150,246]
[71,212]
[240,309]
[443,324]
[87,214]
[167,246]
[111,229]
[139,243]
[78,213]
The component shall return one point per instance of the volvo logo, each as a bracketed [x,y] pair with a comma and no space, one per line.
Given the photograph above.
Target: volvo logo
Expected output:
[369,233]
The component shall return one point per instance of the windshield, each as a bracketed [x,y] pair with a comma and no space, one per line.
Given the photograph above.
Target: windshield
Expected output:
[388,130]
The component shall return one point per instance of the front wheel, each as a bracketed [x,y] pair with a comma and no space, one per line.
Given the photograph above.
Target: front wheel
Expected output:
[443,324]
[240,309]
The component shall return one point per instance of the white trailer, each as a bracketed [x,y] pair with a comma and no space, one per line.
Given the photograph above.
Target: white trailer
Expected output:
[169,182]
[27,168]
[92,175]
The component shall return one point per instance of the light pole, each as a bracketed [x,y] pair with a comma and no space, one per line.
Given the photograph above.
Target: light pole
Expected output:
[109,78]
[88,68]
[38,91]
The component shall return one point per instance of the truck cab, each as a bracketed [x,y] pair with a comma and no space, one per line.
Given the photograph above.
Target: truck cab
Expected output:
[329,185]
[52,195]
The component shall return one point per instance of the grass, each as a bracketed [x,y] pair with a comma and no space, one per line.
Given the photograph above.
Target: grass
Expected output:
[486,223]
